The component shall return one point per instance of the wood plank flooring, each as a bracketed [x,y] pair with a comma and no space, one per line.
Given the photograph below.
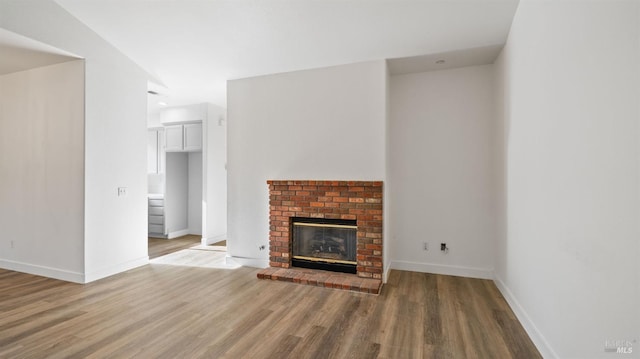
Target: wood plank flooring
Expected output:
[164,311]
[160,246]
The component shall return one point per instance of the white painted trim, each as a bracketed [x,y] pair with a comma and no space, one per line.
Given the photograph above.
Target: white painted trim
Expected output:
[122,267]
[43,271]
[247,262]
[459,271]
[156,235]
[177,234]
[536,337]
[385,274]
[212,240]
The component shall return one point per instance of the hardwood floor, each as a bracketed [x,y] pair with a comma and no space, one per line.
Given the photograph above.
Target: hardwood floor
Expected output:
[163,311]
[159,246]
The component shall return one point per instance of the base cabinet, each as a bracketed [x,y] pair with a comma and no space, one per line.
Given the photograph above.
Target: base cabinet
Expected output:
[156,217]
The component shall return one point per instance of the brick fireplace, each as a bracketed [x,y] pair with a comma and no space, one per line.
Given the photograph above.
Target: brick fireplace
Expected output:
[360,201]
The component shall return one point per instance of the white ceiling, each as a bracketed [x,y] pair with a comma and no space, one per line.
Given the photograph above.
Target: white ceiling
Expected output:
[20,53]
[194,46]
[445,60]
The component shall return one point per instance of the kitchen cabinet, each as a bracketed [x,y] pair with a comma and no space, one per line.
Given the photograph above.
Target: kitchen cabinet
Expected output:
[156,216]
[183,138]
[173,138]
[192,137]
[155,151]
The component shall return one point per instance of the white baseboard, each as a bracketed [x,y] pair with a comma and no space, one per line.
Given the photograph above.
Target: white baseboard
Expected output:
[385,272]
[177,234]
[106,272]
[157,235]
[536,337]
[212,240]
[443,269]
[248,262]
[43,271]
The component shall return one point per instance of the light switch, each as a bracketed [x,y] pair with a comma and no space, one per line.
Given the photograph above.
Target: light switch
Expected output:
[122,191]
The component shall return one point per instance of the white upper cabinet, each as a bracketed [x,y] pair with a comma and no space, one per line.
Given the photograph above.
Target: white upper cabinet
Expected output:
[155,151]
[192,137]
[183,127]
[173,138]
[183,138]
[152,151]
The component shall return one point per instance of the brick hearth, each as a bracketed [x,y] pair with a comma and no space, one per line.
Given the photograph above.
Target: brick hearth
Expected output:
[355,200]
[322,278]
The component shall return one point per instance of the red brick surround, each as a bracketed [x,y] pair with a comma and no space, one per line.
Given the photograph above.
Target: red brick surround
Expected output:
[357,200]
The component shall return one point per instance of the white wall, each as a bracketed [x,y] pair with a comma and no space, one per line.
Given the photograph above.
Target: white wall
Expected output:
[116,156]
[568,259]
[194,210]
[214,151]
[443,188]
[183,194]
[42,171]
[115,231]
[177,194]
[388,225]
[153,116]
[317,124]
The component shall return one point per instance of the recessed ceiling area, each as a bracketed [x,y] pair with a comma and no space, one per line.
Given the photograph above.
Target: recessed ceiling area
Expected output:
[194,47]
[446,60]
[20,53]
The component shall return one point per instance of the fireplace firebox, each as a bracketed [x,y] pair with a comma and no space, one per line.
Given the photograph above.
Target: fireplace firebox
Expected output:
[322,243]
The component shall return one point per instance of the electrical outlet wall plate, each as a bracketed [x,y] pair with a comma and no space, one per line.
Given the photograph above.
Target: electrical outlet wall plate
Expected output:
[444,248]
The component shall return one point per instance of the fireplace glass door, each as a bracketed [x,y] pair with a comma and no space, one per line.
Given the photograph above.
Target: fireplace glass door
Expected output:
[324,244]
